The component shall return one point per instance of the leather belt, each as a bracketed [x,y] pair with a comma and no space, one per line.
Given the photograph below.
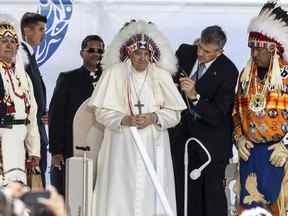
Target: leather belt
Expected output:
[9,121]
[20,121]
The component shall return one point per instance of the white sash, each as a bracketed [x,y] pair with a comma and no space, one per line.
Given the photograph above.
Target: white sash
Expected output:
[151,171]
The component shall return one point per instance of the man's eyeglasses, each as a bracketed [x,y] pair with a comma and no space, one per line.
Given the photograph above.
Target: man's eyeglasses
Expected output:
[94,50]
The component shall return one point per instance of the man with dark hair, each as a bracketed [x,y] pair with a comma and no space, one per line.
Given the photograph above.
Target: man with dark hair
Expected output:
[33,21]
[260,114]
[33,32]
[91,38]
[72,89]
[208,87]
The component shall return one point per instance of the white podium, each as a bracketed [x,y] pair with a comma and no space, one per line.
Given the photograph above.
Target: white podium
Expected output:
[79,186]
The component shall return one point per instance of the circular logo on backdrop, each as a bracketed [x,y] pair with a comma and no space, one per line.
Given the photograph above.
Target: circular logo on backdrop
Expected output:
[58,13]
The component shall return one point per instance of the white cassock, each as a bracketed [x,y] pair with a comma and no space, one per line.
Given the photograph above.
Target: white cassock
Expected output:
[123,186]
[19,139]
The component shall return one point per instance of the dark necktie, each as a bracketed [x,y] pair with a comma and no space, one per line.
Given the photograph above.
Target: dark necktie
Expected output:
[199,72]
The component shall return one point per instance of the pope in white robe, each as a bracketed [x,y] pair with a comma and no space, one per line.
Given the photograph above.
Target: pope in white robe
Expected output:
[135,92]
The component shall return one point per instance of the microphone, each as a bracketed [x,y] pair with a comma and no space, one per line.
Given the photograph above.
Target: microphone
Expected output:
[196,173]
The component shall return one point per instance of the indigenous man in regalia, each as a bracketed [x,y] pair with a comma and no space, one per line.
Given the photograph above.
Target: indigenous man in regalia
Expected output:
[261,113]
[18,125]
[135,90]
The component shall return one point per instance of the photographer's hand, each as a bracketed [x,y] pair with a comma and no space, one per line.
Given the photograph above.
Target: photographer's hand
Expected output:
[55,202]
[15,190]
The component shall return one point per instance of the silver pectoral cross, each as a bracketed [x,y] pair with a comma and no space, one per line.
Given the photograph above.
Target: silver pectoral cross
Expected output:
[139,105]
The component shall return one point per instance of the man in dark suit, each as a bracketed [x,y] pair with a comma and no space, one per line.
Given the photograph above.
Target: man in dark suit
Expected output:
[72,89]
[208,89]
[33,32]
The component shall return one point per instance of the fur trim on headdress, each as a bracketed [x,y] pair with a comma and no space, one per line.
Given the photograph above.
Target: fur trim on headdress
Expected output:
[269,30]
[165,59]
[271,22]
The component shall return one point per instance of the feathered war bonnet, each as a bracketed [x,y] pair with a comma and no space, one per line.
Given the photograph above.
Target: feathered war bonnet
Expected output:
[269,30]
[140,34]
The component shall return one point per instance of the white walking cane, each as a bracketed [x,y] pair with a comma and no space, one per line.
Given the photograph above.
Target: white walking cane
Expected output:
[151,171]
[196,173]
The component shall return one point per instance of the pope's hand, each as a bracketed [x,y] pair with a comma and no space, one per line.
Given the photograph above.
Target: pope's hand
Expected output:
[140,121]
[129,121]
[244,147]
[279,154]
[146,119]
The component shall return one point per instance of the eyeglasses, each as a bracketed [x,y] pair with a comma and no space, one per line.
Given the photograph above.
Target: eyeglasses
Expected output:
[94,50]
